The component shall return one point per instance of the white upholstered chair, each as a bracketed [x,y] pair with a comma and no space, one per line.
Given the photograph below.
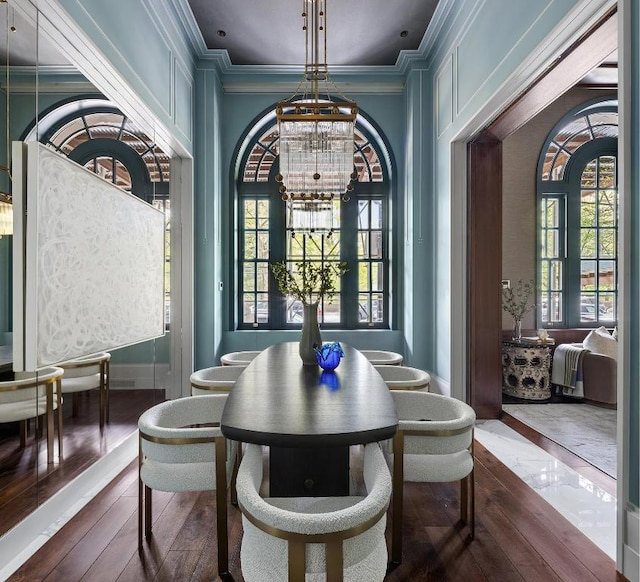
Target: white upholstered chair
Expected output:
[180,450]
[214,379]
[404,378]
[434,443]
[88,373]
[382,358]
[298,539]
[238,358]
[31,395]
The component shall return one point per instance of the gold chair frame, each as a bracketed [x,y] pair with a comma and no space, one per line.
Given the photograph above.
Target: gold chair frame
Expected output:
[297,542]
[48,384]
[144,492]
[104,385]
[467,486]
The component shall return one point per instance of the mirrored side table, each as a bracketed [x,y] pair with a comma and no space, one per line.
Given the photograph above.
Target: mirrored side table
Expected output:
[526,366]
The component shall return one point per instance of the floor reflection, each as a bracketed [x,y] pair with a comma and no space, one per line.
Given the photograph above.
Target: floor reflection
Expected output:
[26,480]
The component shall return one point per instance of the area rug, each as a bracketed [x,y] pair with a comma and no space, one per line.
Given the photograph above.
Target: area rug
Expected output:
[587,431]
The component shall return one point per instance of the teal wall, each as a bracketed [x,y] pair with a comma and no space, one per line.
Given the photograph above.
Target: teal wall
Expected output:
[144,41]
[477,46]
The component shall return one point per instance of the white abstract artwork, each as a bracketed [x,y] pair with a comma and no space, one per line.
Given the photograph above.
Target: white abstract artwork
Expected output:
[93,263]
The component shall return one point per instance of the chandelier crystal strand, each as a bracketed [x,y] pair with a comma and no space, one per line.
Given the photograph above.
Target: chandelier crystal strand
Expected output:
[316,138]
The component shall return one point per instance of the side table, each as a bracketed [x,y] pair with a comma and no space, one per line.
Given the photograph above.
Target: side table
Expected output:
[526,366]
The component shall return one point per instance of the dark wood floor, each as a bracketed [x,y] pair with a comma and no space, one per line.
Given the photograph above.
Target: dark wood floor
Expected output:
[26,480]
[519,536]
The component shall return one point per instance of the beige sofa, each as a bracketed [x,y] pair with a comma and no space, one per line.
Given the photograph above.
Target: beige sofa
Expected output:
[599,378]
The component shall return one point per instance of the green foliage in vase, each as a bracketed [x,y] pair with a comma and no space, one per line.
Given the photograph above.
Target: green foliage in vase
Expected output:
[515,299]
[309,282]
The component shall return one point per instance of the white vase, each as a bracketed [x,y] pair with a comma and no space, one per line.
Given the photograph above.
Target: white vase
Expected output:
[310,335]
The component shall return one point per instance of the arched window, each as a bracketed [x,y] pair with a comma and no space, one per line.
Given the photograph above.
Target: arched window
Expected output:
[97,135]
[362,238]
[578,219]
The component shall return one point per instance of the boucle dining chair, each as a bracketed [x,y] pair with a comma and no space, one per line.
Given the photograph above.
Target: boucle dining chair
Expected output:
[238,358]
[433,444]
[214,379]
[178,455]
[382,358]
[32,395]
[301,538]
[404,378]
[88,373]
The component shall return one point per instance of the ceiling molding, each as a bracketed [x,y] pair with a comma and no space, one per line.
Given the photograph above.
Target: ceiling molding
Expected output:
[290,88]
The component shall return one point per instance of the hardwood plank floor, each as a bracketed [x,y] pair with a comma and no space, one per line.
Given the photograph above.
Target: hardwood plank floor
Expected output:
[519,537]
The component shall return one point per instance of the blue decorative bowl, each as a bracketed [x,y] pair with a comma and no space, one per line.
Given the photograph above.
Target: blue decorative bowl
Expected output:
[329,356]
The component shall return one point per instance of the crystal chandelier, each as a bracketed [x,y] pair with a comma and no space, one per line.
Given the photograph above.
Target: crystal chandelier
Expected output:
[316,137]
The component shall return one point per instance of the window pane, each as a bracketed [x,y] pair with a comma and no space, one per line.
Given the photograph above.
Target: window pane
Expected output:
[250,214]
[607,306]
[550,249]
[248,308]
[263,245]
[587,275]
[556,276]
[376,214]
[364,309]
[544,276]
[376,244]
[377,308]
[332,247]
[607,214]
[377,280]
[607,175]
[589,175]
[262,276]
[363,214]
[588,208]
[249,245]
[262,308]
[588,242]
[363,244]
[607,243]
[556,315]
[588,307]
[607,276]
[363,277]
[249,277]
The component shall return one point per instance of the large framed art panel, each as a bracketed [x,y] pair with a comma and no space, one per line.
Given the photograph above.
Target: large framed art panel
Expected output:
[88,262]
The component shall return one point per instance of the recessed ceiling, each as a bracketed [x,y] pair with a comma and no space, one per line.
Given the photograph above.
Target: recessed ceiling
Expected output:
[269,32]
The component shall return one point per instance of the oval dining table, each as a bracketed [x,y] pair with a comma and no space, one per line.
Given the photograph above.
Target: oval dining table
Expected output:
[308,417]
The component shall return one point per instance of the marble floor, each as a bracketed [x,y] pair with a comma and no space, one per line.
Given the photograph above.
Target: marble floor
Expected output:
[580,501]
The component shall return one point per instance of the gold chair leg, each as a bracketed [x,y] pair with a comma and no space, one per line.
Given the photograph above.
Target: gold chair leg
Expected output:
[147,511]
[335,561]
[49,421]
[60,431]
[398,494]
[295,551]
[221,505]
[236,467]
[140,512]
[472,492]
[24,429]
[464,499]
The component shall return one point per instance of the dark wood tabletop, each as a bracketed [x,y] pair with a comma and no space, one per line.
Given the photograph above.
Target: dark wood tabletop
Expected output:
[279,402]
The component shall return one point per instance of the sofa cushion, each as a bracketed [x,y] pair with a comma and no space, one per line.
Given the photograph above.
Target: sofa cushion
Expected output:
[600,341]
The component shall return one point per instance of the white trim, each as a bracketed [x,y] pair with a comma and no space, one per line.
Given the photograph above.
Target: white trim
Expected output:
[627,558]
[26,538]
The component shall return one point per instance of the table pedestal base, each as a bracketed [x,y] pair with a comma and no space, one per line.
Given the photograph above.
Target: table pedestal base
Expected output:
[308,472]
